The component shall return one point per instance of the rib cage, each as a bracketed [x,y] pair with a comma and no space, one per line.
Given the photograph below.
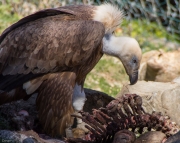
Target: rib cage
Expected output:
[125,112]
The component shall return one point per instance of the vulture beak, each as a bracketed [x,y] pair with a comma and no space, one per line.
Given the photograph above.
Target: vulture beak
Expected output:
[133,78]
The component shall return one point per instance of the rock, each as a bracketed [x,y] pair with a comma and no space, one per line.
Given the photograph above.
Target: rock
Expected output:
[160,66]
[157,96]
[151,137]
[11,136]
[33,136]
[174,139]
[29,140]
[124,136]
[176,80]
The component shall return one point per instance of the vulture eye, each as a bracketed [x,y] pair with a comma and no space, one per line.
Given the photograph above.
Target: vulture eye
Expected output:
[134,61]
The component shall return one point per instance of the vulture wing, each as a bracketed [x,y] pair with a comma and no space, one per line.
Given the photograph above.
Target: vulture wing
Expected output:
[37,46]
[40,14]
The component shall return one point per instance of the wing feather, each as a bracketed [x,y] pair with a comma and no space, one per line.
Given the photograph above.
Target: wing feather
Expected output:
[47,45]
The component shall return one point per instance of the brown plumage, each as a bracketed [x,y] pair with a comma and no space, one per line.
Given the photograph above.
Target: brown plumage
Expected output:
[59,105]
[42,49]
[51,52]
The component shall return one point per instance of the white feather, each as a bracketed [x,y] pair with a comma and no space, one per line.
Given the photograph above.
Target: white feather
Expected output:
[111,16]
[120,46]
[79,98]
[30,88]
[26,85]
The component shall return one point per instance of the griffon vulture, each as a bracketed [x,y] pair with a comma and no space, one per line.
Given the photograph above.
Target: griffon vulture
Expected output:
[50,53]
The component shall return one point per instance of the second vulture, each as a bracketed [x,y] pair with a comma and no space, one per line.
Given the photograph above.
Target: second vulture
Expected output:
[50,52]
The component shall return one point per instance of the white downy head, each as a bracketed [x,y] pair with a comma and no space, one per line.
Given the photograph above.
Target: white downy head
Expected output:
[110,15]
[127,50]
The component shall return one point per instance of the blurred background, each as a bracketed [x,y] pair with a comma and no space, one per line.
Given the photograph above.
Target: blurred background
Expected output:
[154,23]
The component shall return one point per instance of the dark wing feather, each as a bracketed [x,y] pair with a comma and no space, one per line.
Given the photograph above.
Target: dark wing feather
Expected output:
[51,44]
[8,82]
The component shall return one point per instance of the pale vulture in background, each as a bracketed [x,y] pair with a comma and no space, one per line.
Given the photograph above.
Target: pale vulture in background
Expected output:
[50,53]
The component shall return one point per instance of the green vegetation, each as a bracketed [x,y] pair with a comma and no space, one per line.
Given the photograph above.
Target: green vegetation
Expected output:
[109,75]
[148,34]
[7,16]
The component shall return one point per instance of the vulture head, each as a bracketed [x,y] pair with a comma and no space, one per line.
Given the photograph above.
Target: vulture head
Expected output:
[127,50]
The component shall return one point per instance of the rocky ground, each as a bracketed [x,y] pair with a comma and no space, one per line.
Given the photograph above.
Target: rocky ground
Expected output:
[19,122]
[19,119]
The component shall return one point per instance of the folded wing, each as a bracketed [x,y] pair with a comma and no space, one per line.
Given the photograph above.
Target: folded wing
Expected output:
[46,45]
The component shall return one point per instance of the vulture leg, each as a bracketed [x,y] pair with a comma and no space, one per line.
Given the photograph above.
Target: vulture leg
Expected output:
[54,103]
[79,99]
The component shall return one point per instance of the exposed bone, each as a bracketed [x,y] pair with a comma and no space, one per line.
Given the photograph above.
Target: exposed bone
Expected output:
[125,112]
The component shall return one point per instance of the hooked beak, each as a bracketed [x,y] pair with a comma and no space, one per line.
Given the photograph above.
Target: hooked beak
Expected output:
[133,78]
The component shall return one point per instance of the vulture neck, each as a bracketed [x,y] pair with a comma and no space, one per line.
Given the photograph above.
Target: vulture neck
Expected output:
[113,46]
